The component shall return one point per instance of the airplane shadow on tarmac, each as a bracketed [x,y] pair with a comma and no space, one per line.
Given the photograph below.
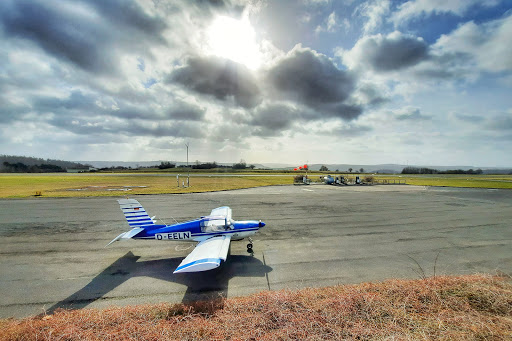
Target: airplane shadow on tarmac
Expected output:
[201,286]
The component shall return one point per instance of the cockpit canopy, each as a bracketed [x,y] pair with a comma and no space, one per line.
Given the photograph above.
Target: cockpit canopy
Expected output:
[215,224]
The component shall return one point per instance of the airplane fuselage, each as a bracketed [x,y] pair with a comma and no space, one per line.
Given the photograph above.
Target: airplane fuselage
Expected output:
[212,233]
[196,231]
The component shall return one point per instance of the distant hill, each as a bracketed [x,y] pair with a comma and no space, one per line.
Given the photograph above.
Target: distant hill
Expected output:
[381,168]
[342,167]
[396,168]
[32,161]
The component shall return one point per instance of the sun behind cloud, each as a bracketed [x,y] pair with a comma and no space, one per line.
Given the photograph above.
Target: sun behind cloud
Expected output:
[235,40]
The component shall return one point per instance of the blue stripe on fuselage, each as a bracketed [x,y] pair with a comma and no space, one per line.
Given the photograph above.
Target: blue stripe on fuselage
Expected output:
[190,226]
[151,234]
[194,228]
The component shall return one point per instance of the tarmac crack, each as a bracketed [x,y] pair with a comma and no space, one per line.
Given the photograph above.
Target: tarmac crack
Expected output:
[266,273]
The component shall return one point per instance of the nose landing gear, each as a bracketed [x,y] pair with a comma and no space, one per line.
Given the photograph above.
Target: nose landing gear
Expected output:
[249,246]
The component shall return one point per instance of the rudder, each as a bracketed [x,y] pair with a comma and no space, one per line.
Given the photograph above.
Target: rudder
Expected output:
[135,214]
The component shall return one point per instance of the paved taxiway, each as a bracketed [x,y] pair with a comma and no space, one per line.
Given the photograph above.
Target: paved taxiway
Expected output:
[52,250]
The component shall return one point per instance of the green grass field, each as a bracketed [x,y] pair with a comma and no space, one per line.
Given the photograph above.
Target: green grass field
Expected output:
[83,185]
[459,180]
[118,184]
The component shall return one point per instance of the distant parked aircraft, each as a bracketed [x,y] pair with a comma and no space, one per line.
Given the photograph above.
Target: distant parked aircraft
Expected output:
[329,180]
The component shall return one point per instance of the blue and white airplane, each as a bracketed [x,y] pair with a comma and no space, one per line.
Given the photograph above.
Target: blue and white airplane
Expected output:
[214,234]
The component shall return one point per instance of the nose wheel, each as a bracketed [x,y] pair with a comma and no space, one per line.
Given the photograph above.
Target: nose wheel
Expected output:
[249,247]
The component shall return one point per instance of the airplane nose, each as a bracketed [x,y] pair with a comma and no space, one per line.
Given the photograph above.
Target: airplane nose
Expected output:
[262,224]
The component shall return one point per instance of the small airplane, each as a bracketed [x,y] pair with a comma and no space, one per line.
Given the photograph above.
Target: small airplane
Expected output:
[214,234]
[329,180]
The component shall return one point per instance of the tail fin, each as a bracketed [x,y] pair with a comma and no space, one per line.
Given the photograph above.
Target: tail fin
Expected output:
[135,214]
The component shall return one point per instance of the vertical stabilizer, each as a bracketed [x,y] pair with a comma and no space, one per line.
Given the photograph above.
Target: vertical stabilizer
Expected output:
[135,214]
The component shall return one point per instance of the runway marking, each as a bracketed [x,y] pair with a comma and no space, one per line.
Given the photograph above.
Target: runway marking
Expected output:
[309,190]
[182,247]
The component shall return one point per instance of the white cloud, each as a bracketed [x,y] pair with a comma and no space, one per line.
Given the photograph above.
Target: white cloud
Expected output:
[410,65]
[487,44]
[417,8]
[316,2]
[332,24]
[119,99]
[375,12]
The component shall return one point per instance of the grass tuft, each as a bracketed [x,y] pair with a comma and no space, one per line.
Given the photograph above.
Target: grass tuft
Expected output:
[462,308]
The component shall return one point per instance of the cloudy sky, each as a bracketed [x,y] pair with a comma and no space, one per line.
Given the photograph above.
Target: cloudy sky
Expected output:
[426,82]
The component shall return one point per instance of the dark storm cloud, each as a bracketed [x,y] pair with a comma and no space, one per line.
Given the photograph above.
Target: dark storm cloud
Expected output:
[274,116]
[219,77]
[389,53]
[398,53]
[272,119]
[312,79]
[184,111]
[87,34]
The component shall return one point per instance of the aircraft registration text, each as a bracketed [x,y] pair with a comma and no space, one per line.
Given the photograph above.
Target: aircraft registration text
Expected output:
[173,235]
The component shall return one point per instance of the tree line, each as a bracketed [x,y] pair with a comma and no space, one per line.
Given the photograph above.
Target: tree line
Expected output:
[424,170]
[206,165]
[19,167]
[33,161]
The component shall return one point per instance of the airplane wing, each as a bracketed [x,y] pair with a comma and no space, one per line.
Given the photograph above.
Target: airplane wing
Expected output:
[207,255]
[223,211]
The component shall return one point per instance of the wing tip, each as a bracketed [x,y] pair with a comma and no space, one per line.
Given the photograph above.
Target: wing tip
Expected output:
[199,265]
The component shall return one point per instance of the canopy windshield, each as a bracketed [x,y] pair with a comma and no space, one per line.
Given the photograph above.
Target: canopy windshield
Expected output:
[213,224]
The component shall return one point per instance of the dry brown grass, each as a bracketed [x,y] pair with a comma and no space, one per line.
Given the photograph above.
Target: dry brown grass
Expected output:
[477,307]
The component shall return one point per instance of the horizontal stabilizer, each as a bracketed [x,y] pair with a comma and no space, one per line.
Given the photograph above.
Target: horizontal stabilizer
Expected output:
[207,255]
[127,235]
